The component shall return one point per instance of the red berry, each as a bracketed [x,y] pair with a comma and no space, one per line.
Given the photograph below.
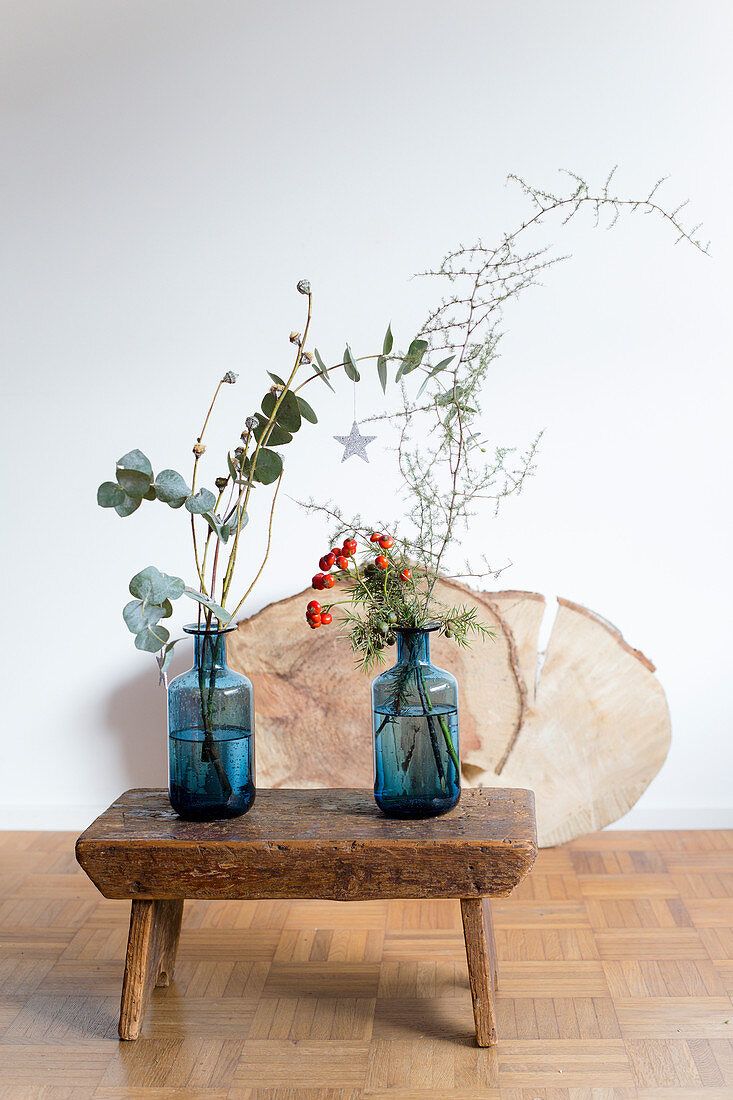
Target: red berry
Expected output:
[326,618]
[323,563]
[386,541]
[314,622]
[330,559]
[350,547]
[342,562]
[335,550]
[317,582]
[375,537]
[314,607]
[405,574]
[381,562]
[328,581]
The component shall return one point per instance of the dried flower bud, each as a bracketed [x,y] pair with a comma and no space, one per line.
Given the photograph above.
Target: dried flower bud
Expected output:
[304,286]
[199,449]
[238,452]
[306,357]
[221,482]
[230,377]
[295,338]
[251,423]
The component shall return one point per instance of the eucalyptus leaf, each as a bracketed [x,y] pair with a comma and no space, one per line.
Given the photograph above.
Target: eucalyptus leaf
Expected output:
[382,372]
[269,466]
[243,521]
[164,659]
[305,411]
[233,473]
[152,638]
[128,506]
[388,341]
[138,614]
[222,615]
[110,494]
[350,365]
[171,488]
[435,371]
[134,473]
[213,522]
[413,359]
[200,502]
[221,529]
[322,369]
[154,587]
[150,495]
[288,415]
[278,436]
[276,379]
[268,404]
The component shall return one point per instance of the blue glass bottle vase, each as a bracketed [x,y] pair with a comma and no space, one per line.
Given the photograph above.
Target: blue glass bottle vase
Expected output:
[210,734]
[417,769]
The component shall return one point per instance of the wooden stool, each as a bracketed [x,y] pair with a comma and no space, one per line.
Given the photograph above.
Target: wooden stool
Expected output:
[327,844]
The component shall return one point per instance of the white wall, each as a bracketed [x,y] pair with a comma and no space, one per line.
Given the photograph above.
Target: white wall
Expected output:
[172,169]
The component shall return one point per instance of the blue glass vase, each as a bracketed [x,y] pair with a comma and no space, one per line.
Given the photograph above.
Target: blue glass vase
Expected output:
[210,734]
[417,770]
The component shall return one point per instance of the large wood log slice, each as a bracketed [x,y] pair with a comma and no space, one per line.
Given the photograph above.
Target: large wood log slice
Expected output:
[584,724]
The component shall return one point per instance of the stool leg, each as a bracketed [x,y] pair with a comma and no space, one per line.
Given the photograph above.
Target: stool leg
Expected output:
[151,952]
[491,940]
[480,971]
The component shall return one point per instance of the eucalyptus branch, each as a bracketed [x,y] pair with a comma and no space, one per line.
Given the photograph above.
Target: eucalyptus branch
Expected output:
[267,551]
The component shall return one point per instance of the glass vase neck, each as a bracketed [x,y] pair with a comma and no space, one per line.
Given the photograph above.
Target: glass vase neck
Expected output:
[210,650]
[413,647]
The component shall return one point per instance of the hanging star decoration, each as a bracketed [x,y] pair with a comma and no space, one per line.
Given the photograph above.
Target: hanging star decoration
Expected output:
[354,443]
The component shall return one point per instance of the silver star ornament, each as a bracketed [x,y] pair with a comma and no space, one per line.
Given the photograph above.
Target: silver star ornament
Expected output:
[354,443]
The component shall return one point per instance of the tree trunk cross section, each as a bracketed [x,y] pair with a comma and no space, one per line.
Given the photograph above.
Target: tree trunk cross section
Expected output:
[326,844]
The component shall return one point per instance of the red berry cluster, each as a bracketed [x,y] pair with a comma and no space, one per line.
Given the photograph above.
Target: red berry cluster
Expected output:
[316,616]
[339,556]
[387,542]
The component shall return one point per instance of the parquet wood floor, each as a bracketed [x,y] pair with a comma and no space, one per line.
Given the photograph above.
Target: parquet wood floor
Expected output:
[616,983]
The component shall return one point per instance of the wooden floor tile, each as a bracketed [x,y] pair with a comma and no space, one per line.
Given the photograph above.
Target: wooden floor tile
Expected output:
[632,886]
[309,1063]
[296,1018]
[663,978]
[175,1063]
[670,1017]
[716,912]
[564,1063]
[430,1065]
[649,943]
[547,979]
[666,1062]
[78,1065]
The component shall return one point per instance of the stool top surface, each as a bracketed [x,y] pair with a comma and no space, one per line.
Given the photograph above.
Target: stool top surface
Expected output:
[311,843]
[312,817]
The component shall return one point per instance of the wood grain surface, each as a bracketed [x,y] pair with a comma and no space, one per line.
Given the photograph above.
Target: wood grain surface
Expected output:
[152,943]
[331,844]
[584,723]
[616,975]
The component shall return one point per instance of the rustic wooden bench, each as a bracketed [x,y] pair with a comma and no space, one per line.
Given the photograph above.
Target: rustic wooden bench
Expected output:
[327,844]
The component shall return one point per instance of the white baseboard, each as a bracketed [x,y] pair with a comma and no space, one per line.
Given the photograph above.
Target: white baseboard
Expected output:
[676,817]
[76,818]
